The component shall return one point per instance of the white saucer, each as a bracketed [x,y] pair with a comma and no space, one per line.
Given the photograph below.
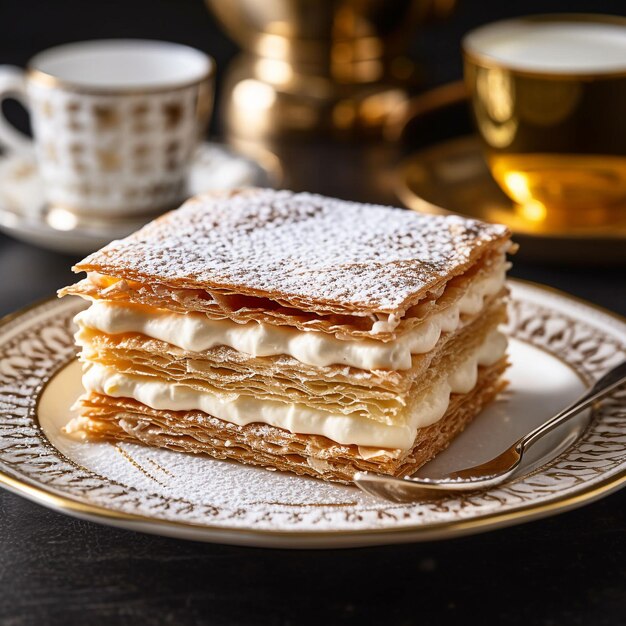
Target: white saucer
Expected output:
[22,200]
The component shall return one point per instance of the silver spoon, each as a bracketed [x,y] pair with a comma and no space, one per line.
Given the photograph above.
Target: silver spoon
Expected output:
[492,472]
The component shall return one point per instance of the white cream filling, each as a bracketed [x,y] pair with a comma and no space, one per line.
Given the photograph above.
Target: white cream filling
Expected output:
[298,418]
[196,332]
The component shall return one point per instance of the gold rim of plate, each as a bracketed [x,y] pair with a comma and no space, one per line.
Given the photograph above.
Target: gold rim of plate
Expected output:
[230,534]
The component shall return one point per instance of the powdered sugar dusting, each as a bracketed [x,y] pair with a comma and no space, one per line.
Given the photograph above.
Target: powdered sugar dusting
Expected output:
[306,249]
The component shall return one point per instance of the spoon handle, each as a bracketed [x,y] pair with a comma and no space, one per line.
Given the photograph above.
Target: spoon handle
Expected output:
[612,379]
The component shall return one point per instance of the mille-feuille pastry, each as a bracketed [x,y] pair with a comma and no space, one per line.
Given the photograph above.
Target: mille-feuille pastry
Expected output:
[294,331]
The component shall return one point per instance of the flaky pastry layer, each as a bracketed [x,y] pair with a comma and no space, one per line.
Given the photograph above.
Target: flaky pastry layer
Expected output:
[120,419]
[381,395]
[219,304]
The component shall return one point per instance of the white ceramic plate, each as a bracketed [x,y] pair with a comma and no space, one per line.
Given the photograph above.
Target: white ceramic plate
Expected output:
[22,203]
[558,345]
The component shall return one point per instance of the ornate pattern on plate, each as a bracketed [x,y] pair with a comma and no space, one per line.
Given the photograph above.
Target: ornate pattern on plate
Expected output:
[36,344]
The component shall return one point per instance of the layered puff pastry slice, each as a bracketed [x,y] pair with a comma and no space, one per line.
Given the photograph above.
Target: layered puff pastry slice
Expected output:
[293,331]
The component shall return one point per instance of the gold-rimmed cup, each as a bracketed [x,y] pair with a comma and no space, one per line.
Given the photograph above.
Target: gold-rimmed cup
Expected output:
[548,94]
[115,123]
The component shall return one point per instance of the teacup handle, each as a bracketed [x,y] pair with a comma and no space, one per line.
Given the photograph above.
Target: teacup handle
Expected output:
[13,85]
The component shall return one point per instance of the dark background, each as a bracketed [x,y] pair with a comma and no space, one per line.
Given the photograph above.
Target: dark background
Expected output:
[564,570]
[29,26]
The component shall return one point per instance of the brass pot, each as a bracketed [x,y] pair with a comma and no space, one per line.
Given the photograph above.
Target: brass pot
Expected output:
[311,65]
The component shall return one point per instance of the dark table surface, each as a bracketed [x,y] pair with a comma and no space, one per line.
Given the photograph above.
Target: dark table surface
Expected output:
[567,569]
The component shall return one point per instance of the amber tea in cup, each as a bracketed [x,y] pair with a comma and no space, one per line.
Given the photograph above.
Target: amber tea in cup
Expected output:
[548,95]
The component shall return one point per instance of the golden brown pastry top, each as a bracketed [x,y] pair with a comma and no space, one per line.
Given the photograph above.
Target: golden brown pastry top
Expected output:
[303,250]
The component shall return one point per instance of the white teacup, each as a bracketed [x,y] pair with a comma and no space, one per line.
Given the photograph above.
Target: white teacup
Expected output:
[115,122]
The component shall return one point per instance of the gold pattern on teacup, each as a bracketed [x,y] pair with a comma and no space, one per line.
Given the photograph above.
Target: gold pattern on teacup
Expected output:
[139,112]
[140,151]
[46,108]
[139,109]
[84,188]
[141,162]
[95,137]
[88,117]
[131,194]
[172,155]
[79,167]
[173,112]
[76,151]
[204,104]
[23,170]
[51,152]
[106,116]
[109,160]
